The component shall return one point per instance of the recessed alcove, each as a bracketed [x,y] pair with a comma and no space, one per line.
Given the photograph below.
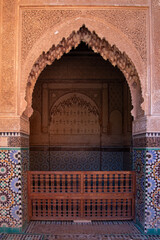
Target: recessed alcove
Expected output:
[82,115]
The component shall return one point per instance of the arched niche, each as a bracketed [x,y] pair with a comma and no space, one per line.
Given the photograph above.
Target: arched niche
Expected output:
[98,45]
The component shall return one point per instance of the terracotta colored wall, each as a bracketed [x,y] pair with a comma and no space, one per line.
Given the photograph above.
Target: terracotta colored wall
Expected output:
[20,48]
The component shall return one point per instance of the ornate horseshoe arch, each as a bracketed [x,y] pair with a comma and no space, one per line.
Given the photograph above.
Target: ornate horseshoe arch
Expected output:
[98,45]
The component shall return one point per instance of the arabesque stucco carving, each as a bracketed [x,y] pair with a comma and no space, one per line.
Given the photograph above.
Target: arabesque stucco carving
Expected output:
[7,58]
[98,45]
[132,22]
[22,35]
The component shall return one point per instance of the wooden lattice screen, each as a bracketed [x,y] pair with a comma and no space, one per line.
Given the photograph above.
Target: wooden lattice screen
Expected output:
[81,195]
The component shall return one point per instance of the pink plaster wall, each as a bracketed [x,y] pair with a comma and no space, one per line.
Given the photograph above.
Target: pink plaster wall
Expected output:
[133,26]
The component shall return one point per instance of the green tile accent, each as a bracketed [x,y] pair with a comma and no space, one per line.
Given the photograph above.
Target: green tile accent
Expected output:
[25,225]
[146,148]
[10,230]
[153,231]
[140,226]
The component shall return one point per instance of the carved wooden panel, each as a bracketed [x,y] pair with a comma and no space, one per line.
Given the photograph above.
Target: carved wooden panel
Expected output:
[78,195]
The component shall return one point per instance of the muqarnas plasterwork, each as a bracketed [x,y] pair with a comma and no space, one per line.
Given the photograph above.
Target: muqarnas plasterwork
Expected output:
[10,188]
[152,189]
[140,168]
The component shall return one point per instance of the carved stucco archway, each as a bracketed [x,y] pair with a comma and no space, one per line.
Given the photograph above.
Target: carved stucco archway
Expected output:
[98,45]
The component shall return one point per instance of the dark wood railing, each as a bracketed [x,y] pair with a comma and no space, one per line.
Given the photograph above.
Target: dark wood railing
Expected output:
[81,195]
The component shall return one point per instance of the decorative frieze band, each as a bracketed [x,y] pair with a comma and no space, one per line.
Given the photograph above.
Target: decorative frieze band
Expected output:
[13,134]
[147,134]
[8,134]
[149,139]
[14,139]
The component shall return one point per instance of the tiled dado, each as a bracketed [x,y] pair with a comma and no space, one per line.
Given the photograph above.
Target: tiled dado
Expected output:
[152,201]
[14,162]
[139,167]
[79,159]
[146,163]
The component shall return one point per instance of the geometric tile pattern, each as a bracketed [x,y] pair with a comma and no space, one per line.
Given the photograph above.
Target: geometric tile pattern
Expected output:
[140,168]
[152,216]
[21,237]
[75,160]
[79,237]
[39,160]
[103,230]
[25,168]
[13,182]
[69,227]
[127,161]
[10,188]
[147,166]
[112,161]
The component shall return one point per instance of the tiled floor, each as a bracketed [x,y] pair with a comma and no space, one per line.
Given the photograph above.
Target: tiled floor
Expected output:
[99,230]
[97,227]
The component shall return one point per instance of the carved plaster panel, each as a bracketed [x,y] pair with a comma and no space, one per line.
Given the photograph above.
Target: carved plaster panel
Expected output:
[156,57]
[9,124]
[153,124]
[146,124]
[55,94]
[54,32]
[139,126]
[66,116]
[74,113]
[131,22]
[35,22]
[52,92]
[8,85]
[24,125]
[16,124]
